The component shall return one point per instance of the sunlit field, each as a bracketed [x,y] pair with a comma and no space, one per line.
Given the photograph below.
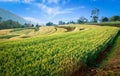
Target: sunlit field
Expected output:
[54,54]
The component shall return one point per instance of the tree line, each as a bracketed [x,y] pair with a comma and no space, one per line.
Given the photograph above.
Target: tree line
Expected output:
[94,16]
[113,18]
[83,20]
[8,24]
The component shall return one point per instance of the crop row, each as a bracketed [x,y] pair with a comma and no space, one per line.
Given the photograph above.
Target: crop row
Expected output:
[56,55]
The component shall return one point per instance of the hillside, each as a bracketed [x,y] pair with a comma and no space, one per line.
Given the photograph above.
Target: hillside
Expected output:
[19,33]
[54,54]
[6,15]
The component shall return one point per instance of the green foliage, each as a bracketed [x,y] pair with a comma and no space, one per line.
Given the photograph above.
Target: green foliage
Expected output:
[115,18]
[71,22]
[117,23]
[61,23]
[49,24]
[55,55]
[82,20]
[6,15]
[32,25]
[0,19]
[9,24]
[94,15]
[28,25]
[17,29]
[37,29]
[104,19]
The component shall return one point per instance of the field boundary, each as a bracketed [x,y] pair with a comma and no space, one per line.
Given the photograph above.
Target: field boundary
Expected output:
[91,69]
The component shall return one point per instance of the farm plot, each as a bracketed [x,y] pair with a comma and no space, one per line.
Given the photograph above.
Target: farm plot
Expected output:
[55,55]
[20,33]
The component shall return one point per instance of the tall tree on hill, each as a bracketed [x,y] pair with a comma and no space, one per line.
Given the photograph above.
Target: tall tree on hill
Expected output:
[95,14]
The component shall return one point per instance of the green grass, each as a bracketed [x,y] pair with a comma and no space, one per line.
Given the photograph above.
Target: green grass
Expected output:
[7,36]
[17,29]
[117,23]
[54,55]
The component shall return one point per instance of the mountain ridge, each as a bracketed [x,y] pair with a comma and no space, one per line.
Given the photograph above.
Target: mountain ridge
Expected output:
[6,15]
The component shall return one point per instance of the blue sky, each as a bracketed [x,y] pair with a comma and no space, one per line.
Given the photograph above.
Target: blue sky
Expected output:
[42,11]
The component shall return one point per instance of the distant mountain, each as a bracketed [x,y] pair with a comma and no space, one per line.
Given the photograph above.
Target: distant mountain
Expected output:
[6,15]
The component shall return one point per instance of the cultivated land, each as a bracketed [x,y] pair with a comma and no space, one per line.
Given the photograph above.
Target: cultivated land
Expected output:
[52,51]
[29,32]
[112,65]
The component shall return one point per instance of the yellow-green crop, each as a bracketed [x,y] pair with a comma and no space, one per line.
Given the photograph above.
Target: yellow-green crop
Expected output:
[55,55]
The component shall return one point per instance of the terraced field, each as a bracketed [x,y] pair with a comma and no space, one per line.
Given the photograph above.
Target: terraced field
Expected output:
[55,54]
[29,32]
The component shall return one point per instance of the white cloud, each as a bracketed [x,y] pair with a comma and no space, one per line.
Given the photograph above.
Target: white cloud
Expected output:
[27,1]
[21,1]
[43,1]
[9,0]
[53,1]
[47,9]
[56,10]
[53,11]
[33,20]
[50,1]
[64,1]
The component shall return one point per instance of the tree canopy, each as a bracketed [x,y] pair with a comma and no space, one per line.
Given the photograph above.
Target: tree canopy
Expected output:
[82,20]
[9,24]
[49,24]
[104,19]
[115,18]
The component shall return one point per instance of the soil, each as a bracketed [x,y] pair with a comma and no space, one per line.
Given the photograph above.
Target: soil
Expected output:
[110,68]
[67,28]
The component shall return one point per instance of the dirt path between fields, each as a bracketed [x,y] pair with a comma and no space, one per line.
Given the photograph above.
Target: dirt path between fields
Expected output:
[110,68]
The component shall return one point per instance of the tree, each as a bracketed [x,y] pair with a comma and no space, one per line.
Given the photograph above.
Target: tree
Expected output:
[71,22]
[9,24]
[32,25]
[37,25]
[61,23]
[82,20]
[0,19]
[28,25]
[115,18]
[49,24]
[104,19]
[94,15]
